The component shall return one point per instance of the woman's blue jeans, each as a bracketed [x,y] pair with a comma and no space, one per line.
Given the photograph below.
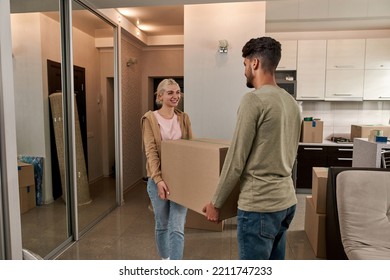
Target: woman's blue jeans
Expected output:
[170,219]
[261,235]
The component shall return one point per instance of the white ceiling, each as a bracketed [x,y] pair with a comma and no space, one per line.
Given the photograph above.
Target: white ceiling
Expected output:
[157,20]
[281,15]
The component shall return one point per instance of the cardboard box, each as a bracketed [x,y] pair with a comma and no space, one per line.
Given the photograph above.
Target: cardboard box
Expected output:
[25,174]
[27,198]
[191,169]
[312,131]
[363,131]
[315,229]
[319,182]
[27,194]
[198,221]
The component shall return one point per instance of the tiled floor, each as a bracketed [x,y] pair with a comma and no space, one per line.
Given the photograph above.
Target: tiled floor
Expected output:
[46,227]
[128,233]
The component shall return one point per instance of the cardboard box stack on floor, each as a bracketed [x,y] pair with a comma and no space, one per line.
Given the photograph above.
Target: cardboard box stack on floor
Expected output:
[26,186]
[315,214]
[191,169]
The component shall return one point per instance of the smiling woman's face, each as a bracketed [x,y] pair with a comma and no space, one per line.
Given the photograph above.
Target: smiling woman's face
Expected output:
[171,96]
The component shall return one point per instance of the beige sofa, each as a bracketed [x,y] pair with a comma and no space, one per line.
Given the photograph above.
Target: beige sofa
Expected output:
[363,204]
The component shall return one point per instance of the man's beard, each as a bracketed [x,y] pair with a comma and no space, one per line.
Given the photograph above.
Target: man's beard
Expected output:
[249,82]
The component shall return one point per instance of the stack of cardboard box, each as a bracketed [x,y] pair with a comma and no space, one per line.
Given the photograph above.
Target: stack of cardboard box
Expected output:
[26,187]
[315,215]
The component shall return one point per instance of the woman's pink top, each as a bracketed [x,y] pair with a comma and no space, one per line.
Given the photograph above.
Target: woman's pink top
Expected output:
[169,128]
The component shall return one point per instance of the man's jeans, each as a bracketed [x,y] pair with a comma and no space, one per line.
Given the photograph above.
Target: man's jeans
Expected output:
[262,236]
[169,218]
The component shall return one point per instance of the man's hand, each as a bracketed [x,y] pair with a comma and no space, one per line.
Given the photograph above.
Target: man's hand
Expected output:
[212,213]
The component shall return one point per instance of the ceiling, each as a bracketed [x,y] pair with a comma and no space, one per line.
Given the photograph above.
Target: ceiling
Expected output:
[281,15]
[157,20]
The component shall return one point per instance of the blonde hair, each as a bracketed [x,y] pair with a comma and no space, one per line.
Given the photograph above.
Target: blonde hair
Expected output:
[161,88]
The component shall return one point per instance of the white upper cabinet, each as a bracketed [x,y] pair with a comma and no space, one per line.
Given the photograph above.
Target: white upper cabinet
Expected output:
[344,85]
[346,54]
[345,70]
[377,73]
[311,64]
[378,53]
[376,85]
[289,55]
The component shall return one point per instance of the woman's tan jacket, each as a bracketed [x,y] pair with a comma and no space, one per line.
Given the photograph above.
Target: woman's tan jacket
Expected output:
[152,141]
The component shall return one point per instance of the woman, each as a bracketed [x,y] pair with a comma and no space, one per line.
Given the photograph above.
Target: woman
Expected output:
[166,123]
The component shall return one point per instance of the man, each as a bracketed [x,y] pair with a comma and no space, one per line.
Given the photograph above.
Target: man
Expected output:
[261,157]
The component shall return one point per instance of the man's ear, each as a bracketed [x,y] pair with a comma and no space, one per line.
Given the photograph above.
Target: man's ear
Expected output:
[255,63]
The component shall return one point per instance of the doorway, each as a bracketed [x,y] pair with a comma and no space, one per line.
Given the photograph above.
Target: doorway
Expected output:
[179,80]
[54,85]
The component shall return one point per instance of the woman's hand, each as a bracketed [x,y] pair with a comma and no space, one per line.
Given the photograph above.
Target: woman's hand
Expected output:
[163,190]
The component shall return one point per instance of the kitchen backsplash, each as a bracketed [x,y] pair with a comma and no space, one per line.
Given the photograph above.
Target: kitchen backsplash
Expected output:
[338,116]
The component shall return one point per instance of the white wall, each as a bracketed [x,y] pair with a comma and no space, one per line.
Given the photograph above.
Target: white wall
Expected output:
[30,108]
[215,82]
[27,60]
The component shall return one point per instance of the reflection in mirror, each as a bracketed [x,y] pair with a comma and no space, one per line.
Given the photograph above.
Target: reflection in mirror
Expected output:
[35,40]
[93,53]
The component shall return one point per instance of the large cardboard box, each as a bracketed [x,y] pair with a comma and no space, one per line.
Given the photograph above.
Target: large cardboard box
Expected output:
[198,221]
[312,131]
[315,228]
[191,169]
[363,131]
[319,182]
[27,194]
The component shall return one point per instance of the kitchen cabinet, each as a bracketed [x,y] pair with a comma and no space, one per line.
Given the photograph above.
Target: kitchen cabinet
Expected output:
[377,69]
[310,156]
[377,54]
[376,85]
[311,64]
[288,60]
[339,156]
[345,54]
[344,85]
[345,70]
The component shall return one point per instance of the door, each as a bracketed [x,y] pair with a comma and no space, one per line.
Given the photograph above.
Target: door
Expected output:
[179,80]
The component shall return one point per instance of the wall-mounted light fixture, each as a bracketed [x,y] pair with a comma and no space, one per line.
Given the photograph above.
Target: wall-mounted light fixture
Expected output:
[223,46]
[131,61]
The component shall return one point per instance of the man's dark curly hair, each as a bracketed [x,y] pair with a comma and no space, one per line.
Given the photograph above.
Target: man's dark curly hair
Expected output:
[266,49]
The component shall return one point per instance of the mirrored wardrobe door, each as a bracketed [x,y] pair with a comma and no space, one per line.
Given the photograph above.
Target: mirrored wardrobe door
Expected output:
[36,42]
[93,58]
